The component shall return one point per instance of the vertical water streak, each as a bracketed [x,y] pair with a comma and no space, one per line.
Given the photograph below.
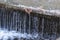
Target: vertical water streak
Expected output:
[25,23]
[7,20]
[16,20]
[2,24]
[11,22]
[42,27]
[20,23]
[4,19]
[29,23]
[0,18]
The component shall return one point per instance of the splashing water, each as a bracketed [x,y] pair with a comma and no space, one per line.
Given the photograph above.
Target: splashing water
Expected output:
[5,35]
[18,24]
[14,24]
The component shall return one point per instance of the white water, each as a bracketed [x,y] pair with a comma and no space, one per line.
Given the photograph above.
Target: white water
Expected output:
[5,35]
[19,25]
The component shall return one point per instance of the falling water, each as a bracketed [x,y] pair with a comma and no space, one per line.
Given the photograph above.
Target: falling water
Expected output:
[42,26]
[19,25]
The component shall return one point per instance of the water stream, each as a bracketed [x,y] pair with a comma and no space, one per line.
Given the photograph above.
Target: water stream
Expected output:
[19,25]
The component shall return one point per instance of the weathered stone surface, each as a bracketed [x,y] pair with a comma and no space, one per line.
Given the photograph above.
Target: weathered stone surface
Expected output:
[47,4]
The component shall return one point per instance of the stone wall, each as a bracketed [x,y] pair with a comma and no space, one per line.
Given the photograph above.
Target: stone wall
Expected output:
[47,4]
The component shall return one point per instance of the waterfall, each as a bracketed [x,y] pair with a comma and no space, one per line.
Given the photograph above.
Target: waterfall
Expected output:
[19,25]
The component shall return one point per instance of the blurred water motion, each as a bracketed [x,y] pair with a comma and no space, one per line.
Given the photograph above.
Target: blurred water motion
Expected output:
[19,25]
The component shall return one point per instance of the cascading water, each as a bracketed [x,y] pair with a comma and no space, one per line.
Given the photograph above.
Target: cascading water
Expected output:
[15,24]
[19,25]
